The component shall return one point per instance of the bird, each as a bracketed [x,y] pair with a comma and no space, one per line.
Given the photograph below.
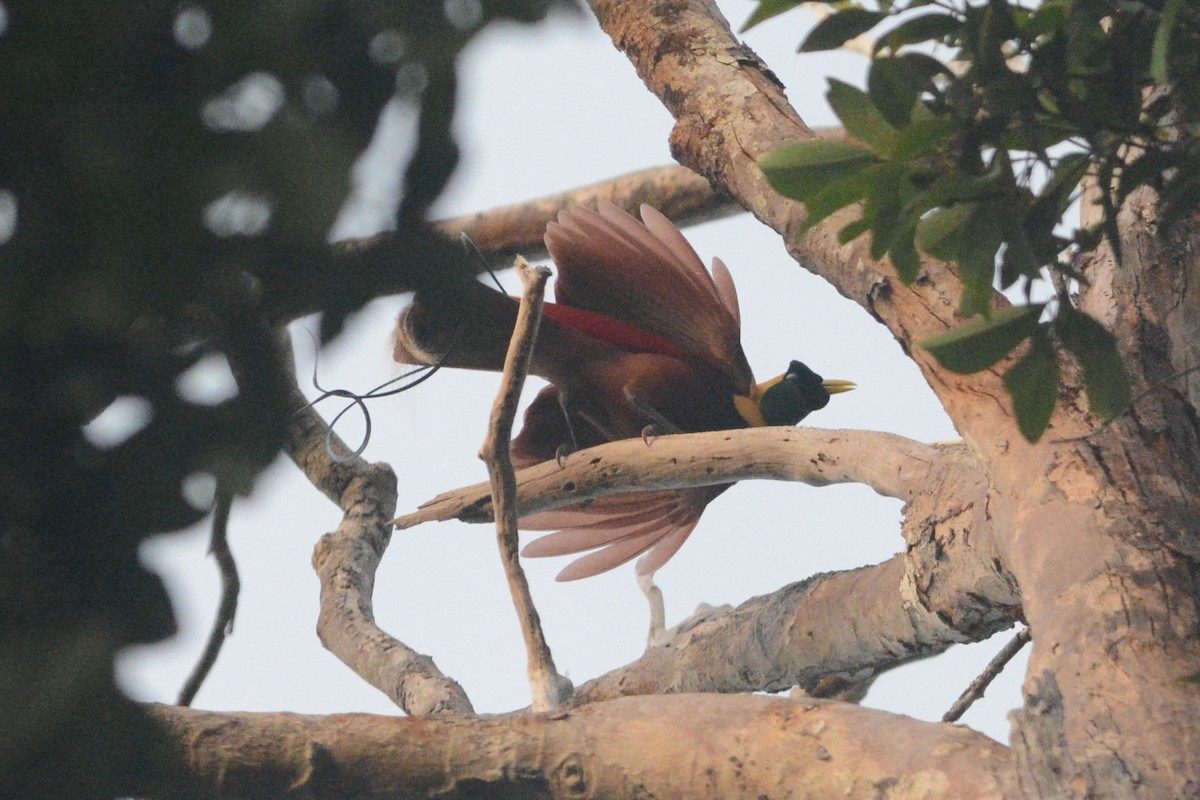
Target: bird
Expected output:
[641,338]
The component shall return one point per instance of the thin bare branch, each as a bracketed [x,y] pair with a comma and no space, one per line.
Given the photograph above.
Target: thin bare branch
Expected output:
[891,465]
[985,678]
[230,587]
[548,687]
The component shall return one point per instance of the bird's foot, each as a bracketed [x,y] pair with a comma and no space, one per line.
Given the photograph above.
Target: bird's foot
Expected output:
[660,426]
[561,453]
[650,433]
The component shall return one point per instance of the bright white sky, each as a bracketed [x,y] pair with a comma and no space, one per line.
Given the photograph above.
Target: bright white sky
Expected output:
[545,109]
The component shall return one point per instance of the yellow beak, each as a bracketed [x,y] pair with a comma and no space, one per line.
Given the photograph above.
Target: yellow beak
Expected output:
[837,387]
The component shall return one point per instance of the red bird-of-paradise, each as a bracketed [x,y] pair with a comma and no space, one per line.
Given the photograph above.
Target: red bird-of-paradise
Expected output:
[640,335]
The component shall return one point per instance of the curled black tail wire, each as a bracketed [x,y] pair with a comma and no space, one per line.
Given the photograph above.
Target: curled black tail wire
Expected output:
[359,400]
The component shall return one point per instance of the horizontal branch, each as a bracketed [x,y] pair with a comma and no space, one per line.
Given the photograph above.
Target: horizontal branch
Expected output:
[696,747]
[891,465]
[683,196]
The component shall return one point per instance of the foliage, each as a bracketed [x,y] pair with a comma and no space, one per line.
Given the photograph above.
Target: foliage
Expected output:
[974,158]
[168,181]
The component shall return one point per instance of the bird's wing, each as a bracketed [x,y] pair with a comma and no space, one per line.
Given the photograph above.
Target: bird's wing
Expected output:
[648,275]
[619,528]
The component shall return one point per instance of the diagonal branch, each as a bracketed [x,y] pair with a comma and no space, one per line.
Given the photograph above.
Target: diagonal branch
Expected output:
[891,465]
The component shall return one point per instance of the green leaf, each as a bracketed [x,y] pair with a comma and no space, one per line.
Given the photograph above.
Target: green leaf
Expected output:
[1032,383]
[1160,51]
[980,343]
[861,118]
[936,26]
[904,255]
[801,170]
[1104,377]
[982,236]
[852,231]
[1019,258]
[923,136]
[891,92]
[834,31]
[882,207]
[1056,195]
[941,233]
[850,189]
[767,9]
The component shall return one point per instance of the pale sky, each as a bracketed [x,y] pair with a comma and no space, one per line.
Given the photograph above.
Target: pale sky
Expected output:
[544,109]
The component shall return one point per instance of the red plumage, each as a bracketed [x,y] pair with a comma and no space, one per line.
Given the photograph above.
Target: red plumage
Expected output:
[637,314]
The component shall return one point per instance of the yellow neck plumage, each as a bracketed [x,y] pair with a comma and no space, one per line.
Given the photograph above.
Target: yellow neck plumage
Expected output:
[749,408]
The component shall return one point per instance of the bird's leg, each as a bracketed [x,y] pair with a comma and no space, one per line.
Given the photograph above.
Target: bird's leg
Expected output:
[658,613]
[660,426]
[564,450]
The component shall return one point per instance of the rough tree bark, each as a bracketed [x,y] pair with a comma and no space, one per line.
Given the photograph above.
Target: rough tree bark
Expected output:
[1089,536]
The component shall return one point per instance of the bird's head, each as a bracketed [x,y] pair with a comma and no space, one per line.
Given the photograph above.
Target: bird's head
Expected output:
[788,398]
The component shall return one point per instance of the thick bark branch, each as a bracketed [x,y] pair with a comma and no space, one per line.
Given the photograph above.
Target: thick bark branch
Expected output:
[346,561]
[889,464]
[824,635]
[694,747]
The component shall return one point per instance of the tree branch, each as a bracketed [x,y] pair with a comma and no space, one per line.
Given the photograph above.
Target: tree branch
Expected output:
[549,688]
[989,674]
[230,588]
[891,465]
[683,196]
[829,632]
[346,561]
[696,747]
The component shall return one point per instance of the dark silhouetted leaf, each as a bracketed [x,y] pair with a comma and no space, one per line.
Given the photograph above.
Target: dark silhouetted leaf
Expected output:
[980,343]
[927,27]
[1032,383]
[767,9]
[834,31]
[1054,198]
[1018,259]
[1104,376]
